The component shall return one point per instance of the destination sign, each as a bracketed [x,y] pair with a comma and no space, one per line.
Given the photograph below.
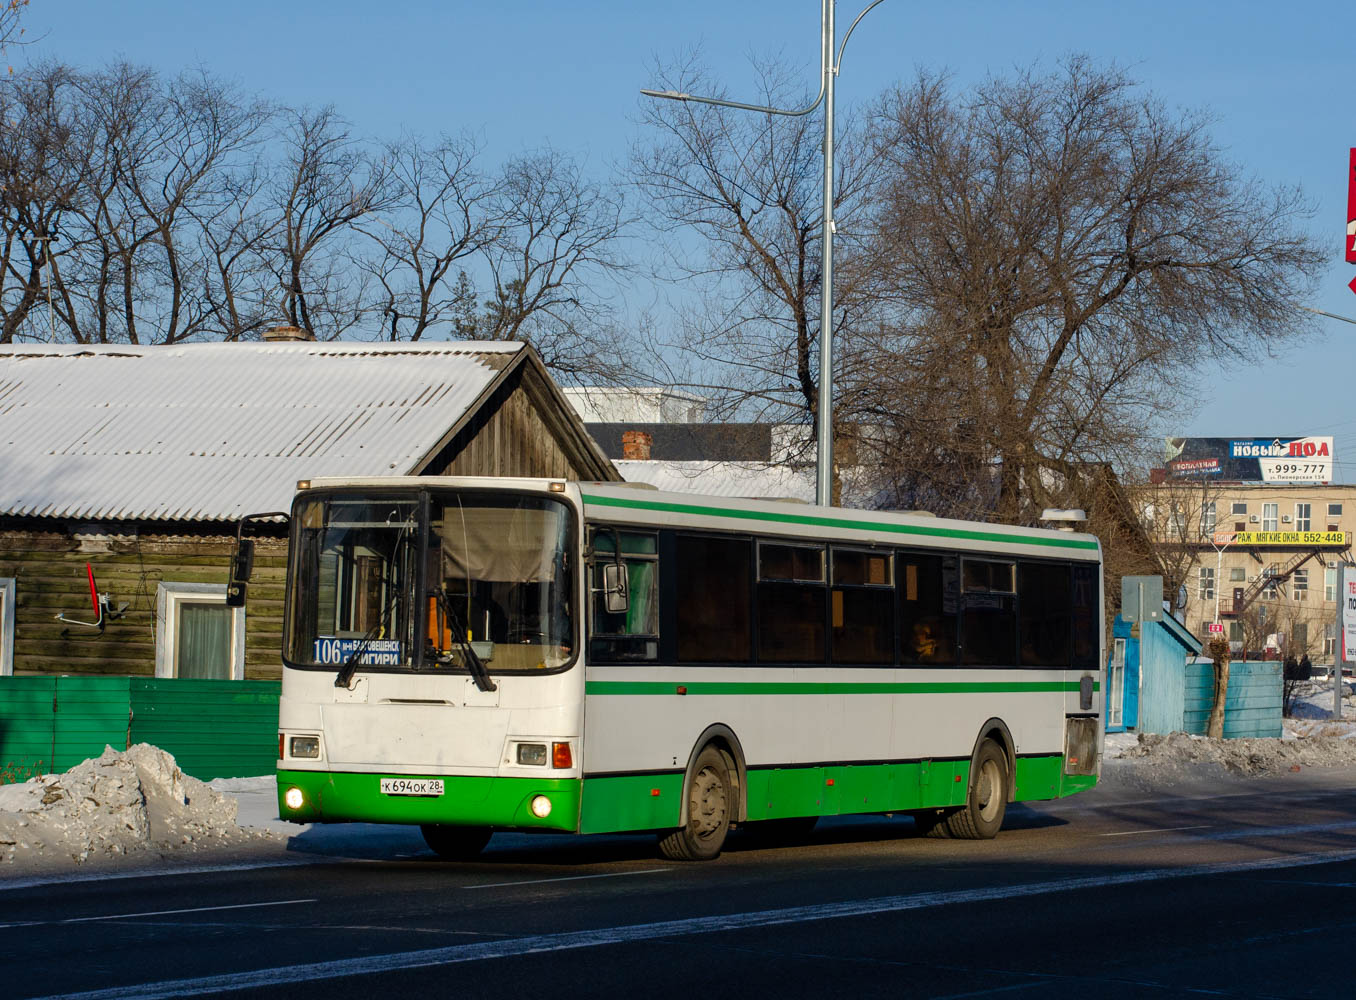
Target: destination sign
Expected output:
[1291,538]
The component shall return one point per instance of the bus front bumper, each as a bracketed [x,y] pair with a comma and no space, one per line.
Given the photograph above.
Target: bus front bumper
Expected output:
[501,803]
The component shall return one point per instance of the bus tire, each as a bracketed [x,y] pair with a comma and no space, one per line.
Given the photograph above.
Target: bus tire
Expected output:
[455,843]
[987,800]
[710,804]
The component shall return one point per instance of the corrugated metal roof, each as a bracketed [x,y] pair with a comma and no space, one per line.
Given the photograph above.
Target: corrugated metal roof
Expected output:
[722,479]
[215,431]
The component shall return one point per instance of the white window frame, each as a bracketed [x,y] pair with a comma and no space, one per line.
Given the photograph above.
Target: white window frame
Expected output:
[1270,574]
[1271,516]
[1208,518]
[7,626]
[1304,522]
[168,597]
[1334,510]
[1329,585]
[1238,574]
[1299,585]
[1238,507]
[1205,590]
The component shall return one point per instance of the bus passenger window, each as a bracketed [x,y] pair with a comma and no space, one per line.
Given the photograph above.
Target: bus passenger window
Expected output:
[712,580]
[928,587]
[1044,614]
[631,635]
[790,603]
[862,607]
[1087,599]
[988,614]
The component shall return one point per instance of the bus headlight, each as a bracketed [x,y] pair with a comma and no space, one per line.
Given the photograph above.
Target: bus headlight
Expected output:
[293,799]
[305,747]
[532,753]
[541,806]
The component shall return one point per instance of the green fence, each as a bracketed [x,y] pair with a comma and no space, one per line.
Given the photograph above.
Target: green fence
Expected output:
[214,729]
[1252,702]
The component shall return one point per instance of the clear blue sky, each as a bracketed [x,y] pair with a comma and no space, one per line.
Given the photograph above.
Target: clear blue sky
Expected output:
[1279,78]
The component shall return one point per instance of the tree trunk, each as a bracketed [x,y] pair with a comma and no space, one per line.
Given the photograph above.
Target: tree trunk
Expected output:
[1219,652]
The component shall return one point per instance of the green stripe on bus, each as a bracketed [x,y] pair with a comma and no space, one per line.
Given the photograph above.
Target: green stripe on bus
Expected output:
[836,522]
[812,687]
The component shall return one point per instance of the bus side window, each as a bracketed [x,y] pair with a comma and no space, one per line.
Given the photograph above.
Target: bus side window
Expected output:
[712,584]
[631,635]
[1086,618]
[988,613]
[862,607]
[928,588]
[1044,614]
[791,610]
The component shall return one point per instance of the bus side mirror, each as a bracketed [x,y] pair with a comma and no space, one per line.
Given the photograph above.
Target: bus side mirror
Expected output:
[614,588]
[242,567]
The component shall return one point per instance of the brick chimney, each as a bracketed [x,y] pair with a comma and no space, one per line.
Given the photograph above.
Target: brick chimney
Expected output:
[636,445]
[284,334]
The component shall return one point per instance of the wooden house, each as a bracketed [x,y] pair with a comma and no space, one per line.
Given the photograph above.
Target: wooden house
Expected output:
[124,469]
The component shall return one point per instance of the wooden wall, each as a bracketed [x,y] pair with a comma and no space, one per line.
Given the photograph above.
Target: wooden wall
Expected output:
[47,562]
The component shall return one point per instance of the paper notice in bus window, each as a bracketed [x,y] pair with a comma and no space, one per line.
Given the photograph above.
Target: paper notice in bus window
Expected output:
[875,570]
[911,582]
[376,652]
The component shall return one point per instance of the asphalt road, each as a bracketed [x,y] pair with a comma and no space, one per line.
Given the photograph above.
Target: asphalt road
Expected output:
[1208,889]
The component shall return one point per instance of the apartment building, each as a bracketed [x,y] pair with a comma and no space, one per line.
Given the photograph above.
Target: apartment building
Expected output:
[1261,559]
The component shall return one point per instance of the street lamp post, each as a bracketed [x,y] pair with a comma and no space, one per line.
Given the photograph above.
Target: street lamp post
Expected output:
[828,70]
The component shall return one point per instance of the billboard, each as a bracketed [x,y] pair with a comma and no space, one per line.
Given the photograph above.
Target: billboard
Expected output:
[1251,460]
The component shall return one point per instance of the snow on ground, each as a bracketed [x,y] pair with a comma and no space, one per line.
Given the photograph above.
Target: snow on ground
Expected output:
[134,805]
[137,809]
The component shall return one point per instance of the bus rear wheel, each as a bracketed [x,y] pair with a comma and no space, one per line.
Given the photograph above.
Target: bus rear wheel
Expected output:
[455,843]
[986,804]
[710,798]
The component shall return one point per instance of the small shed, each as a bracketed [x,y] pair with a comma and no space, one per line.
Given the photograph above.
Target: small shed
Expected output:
[1145,679]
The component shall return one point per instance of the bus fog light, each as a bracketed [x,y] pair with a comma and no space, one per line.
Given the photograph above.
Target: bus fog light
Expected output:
[305,746]
[293,799]
[532,753]
[541,806]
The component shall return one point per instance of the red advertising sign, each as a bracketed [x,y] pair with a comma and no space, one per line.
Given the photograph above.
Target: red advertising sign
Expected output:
[1351,209]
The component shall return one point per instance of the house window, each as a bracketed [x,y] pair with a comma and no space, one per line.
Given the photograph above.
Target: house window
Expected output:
[1299,638]
[1330,584]
[1299,588]
[1237,574]
[197,635]
[1334,510]
[1270,516]
[1238,509]
[1208,518]
[1304,516]
[1235,631]
[1329,639]
[6,626]
[1206,590]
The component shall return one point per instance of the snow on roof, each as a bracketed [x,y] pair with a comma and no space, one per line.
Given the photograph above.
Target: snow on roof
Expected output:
[722,479]
[215,431]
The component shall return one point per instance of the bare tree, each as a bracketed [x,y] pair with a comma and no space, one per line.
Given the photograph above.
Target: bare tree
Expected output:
[1072,249]
[749,187]
[554,254]
[327,181]
[440,216]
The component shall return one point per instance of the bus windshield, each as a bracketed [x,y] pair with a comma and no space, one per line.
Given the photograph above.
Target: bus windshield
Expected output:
[497,582]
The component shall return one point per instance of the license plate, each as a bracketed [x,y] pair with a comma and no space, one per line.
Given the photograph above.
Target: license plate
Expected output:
[412,786]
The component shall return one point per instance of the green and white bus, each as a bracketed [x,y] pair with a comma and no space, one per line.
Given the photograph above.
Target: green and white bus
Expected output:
[473,655]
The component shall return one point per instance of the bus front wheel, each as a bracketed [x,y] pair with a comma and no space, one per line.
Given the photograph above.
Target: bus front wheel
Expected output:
[455,843]
[710,799]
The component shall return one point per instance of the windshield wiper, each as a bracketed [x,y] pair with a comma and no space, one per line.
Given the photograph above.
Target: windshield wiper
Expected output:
[341,679]
[479,672]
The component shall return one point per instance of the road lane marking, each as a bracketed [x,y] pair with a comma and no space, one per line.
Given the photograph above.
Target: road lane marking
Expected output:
[604,936]
[153,913]
[565,878]
[1165,829]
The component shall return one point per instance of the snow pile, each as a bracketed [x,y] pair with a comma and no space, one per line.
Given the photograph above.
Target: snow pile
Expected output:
[121,803]
[1243,756]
